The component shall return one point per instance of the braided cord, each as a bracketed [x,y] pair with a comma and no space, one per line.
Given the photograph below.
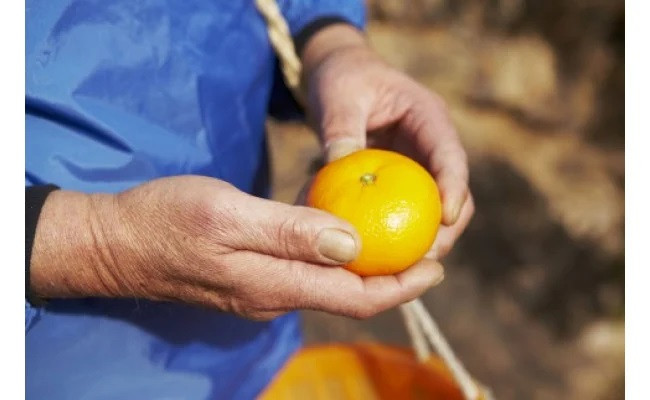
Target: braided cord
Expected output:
[282,43]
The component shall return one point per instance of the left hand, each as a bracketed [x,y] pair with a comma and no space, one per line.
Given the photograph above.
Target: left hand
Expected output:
[356,100]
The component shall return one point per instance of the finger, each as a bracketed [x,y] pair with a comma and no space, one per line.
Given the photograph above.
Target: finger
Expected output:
[342,124]
[448,165]
[447,235]
[428,125]
[338,291]
[293,232]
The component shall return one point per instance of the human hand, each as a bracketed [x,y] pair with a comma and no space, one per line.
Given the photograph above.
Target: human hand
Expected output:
[201,241]
[356,100]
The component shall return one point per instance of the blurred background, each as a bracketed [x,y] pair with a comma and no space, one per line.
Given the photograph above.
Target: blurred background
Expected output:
[533,300]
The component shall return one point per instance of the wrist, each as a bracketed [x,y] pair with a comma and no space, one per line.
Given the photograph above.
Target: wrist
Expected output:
[72,254]
[326,42]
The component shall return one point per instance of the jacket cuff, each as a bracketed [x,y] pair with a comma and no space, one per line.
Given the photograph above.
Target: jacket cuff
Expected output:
[35,197]
[309,30]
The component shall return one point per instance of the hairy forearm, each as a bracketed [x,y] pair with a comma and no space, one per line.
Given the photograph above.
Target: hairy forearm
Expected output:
[70,255]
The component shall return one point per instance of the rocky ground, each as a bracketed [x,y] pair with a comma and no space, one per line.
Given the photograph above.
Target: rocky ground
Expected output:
[533,299]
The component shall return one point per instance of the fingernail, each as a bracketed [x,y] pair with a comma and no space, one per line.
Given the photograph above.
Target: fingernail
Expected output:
[337,245]
[437,279]
[454,214]
[342,148]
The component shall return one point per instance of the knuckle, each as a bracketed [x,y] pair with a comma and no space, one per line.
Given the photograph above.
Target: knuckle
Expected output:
[461,154]
[208,215]
[438,102]
[451,160]
[249,310]
[237,307]
[338,122]
[453,150]
[431,99]
[290,228]
[444,248]
[263,316]
[200,208]
[290,233]
[305,288]
[338,130]
[463,190]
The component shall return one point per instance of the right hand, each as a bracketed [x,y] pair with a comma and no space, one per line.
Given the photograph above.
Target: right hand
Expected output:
[201,241]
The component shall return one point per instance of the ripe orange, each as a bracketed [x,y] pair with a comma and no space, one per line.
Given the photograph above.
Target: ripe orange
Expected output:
[391,200]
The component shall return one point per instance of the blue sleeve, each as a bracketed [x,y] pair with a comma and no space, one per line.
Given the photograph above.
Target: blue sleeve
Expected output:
[299,15]
[31,315]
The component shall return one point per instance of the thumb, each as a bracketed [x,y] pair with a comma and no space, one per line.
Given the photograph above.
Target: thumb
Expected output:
[343,127]
[294,232]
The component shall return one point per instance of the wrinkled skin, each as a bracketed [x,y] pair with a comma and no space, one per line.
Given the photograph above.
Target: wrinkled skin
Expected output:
[201,241]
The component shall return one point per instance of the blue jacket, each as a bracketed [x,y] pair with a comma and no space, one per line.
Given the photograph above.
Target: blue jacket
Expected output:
[121,92]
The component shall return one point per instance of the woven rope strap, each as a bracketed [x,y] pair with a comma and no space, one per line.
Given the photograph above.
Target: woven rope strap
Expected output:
[282,43]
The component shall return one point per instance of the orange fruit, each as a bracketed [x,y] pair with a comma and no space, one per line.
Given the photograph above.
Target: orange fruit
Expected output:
[366,371]
[391,200]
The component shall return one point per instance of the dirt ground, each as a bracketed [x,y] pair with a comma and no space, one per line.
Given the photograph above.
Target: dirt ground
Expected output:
[533,299]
